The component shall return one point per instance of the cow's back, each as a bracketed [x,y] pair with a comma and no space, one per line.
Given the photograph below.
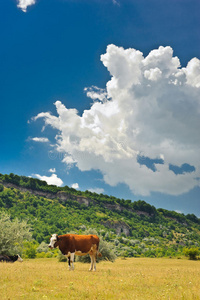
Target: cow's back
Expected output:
[84,243]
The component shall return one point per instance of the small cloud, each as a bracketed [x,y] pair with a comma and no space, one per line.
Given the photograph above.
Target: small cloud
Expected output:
[96,190]
[23,4]
[75,186]
[115,2]
[53,179]
[40,139]
[53,170]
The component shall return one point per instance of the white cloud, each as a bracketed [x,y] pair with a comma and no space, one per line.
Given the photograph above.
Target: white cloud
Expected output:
[40,139]
[23,4]
[53,170]
[53,179]
[96,93]
[96,190]
[75,186]
[179,211]
[150,108]
[193,72]
[153,74]
[116,2]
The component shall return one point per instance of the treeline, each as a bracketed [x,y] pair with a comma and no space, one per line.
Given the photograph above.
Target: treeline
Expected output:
[39,185]
[30,183]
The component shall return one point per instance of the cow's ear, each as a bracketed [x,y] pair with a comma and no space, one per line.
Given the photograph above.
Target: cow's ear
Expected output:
[57,238]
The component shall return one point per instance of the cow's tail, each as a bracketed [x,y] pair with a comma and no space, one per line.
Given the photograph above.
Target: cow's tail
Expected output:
[99,254]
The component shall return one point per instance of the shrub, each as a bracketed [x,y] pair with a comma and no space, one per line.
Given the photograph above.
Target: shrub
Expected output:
[49,254]
[127,252]
[43,247]
[61,257]
[40,255]
[12,234]
[44,255]
[106,250]
[29,250]
[192,253]
[30,253]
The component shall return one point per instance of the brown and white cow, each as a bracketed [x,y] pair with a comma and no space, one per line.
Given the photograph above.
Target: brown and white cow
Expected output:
[73,244]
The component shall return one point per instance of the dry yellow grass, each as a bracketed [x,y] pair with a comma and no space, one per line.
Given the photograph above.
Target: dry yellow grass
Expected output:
[134,278]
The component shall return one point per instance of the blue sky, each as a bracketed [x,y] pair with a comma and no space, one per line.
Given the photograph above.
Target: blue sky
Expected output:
[103,95]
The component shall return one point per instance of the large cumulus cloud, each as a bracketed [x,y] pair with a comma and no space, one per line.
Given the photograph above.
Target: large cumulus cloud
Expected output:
[149,108]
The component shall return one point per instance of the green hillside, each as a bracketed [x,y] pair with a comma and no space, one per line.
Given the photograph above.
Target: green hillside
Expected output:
[134,228]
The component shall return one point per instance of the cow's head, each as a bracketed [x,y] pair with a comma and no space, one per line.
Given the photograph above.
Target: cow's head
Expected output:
[53,241]
[19,258]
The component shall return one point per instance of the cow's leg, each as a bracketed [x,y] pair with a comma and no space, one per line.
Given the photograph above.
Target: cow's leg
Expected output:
[92,262]
[95,255]
[72,260]
[69,262]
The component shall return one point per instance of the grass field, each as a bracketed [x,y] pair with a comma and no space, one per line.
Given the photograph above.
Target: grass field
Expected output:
[134,278]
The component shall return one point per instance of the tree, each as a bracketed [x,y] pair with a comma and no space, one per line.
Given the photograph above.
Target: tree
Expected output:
[193,218]
[12,235]
[192,253]
[32,184]
[1,188]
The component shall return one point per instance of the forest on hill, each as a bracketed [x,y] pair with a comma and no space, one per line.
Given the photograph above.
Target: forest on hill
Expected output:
[133,228]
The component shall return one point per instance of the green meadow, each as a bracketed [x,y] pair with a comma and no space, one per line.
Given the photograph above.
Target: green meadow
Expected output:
[131,278]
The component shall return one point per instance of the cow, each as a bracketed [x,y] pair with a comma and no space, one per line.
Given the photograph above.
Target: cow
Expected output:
[9,258]
[74,244]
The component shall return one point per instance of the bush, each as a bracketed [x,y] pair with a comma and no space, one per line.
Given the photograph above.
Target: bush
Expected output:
[12,235]
[44,255]
[61,257]
[30,253]
[106,250]
[29,250]
[40,255]
[192,253]
[49,254]
[43,247]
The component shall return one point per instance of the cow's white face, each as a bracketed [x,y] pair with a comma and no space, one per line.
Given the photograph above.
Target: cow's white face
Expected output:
[19,258]
[53,240]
